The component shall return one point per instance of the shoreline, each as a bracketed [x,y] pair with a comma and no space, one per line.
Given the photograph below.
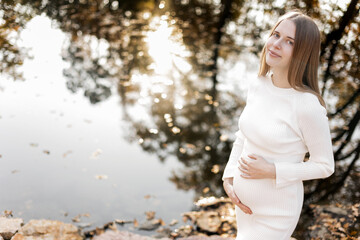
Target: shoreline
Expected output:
[213,219]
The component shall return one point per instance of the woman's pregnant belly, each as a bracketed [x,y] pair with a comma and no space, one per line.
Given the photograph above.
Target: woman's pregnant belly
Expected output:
[262,196]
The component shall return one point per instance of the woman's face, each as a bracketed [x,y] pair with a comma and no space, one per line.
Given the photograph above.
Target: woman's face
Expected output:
[279,46]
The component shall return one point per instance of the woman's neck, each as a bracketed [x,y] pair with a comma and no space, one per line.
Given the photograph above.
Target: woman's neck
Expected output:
[280,79]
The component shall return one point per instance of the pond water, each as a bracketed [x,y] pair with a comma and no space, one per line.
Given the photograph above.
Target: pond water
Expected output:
[62,156]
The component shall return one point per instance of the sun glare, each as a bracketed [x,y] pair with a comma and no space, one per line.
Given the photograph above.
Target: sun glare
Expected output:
[164,51]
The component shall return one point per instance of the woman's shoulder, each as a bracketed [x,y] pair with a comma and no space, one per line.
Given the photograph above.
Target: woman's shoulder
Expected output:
[308,104]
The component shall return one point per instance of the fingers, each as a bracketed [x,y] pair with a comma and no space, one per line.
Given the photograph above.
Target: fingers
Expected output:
[243,164]
[245,208]
[244,168]
[237,202]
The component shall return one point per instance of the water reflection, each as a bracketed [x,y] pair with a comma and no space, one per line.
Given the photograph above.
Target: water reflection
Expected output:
[170,61]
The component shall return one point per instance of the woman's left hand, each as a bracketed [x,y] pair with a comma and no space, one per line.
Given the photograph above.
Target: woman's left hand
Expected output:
[256,168]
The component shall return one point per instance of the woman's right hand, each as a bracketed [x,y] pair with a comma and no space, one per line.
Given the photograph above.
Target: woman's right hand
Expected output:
[229,189]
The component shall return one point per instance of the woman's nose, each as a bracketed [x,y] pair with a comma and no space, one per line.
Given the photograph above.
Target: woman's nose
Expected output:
[277,43]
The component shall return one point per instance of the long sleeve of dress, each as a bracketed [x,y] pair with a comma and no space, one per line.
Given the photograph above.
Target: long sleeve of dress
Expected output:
[314,127]
[234,155]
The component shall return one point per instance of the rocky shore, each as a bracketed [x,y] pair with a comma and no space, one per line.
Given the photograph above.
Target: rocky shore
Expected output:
[213,219]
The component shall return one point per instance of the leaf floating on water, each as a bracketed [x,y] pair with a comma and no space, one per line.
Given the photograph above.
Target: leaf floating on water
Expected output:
[148,196]
[67,153]
[34,144]
[96,154]
[46,152]
[77,218]
[100,177]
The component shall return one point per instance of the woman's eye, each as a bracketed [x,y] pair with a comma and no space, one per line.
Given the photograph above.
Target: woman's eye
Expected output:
[291,42]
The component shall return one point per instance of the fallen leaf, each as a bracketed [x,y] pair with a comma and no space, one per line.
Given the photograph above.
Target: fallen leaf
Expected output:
[99,231]
[84,225]
[34,144]
[14,171]
[8,213]
[173,222]
[206,190]
[149,196]
[76,218]
[119,221]
[150,215]
[215,169]
[113,226]
[46,152]
[162,223]
[136,223]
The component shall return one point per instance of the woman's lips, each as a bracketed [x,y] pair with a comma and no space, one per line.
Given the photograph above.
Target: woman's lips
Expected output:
[273,54]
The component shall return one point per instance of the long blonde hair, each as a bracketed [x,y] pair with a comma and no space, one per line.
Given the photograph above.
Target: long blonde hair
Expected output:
[304,63]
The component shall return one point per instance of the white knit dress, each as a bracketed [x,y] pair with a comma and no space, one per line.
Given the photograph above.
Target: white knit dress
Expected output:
[281,125]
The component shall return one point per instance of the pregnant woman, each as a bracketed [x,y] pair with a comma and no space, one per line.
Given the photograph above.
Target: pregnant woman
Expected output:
[284,118]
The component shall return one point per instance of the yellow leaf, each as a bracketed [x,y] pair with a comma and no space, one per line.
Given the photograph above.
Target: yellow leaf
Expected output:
[136,223]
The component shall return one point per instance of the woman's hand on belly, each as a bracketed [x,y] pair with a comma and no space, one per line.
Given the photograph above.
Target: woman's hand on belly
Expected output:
[257,168]
[228,186]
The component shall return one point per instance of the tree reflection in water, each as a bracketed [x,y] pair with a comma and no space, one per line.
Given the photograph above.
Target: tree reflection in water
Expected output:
[184,112]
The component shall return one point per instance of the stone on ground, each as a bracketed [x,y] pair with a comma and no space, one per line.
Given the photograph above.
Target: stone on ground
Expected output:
[48,230]
[9,226]
[123,235]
